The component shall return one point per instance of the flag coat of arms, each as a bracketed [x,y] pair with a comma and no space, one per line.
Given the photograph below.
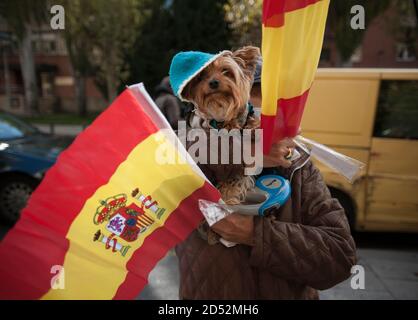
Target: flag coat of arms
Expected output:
[292,36]
[107,211]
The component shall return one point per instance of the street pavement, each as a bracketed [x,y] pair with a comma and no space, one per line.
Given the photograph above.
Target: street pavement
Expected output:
[390,262]
[389,275]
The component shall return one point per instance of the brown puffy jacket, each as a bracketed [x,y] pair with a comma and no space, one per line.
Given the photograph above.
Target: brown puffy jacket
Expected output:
[303,246]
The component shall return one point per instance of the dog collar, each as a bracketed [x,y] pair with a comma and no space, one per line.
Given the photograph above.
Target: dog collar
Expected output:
[249,111]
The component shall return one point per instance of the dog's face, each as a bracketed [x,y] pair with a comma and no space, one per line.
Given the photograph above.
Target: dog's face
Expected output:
[221,91]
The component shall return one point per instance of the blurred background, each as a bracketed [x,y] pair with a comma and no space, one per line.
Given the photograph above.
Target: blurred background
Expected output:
[53,83]
[107,44]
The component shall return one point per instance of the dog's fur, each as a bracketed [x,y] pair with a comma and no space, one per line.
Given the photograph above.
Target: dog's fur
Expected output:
[233,72]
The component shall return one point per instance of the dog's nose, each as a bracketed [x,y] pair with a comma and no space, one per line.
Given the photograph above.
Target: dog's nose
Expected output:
[214,84]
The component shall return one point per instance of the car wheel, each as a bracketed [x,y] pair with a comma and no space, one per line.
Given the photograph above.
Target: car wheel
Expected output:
[14,193]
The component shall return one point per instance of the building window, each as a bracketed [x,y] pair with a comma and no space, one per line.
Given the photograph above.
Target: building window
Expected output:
[44,44]
[397,110]
[14,102]
[50,47]
[36,45]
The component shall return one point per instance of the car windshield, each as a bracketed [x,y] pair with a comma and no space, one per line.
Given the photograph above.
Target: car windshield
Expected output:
[13,128]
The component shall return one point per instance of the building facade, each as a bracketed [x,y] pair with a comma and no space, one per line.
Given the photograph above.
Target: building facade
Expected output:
[390,41]
[54,74]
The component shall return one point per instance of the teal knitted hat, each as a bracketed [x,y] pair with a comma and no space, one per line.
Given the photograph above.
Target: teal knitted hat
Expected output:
[185,66]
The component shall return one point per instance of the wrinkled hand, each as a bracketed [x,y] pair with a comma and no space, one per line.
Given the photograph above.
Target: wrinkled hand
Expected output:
[278,152]
[236,228]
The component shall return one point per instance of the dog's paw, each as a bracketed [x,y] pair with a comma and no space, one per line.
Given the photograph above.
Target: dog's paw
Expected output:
[232,201]
[252,123]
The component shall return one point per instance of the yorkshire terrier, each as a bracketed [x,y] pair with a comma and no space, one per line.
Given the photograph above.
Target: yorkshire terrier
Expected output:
[221,93]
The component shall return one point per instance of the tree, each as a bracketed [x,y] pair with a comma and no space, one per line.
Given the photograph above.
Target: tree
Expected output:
[403,25]
[112,31]
[149,59]
[346,39]
[172,26]
[244,17]
[99,35]
[79,47]
[20,17]
[200,25]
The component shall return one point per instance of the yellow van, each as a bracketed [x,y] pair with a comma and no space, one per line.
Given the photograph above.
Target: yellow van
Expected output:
[370,115]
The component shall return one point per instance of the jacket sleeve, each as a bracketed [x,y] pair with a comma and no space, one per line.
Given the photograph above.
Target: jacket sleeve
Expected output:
[318,252]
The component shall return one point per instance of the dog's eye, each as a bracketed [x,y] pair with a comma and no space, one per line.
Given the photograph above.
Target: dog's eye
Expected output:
[226,72]
[201,75]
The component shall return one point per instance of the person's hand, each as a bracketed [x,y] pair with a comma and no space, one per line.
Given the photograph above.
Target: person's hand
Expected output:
[278,153]
[236,228]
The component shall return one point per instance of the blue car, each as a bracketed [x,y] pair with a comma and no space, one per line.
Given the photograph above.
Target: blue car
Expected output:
[25,155]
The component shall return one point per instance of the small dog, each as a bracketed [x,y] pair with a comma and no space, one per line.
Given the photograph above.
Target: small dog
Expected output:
[220,93]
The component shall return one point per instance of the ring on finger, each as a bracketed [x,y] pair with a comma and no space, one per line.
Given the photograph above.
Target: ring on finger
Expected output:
[289,155]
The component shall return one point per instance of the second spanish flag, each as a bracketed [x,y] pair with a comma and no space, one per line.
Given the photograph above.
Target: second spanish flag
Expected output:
[293,32]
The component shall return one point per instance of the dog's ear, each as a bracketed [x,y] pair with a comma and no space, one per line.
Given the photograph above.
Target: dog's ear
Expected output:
[247,58]
[187,91]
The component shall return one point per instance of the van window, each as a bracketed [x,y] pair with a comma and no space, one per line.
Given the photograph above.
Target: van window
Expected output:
[397,110]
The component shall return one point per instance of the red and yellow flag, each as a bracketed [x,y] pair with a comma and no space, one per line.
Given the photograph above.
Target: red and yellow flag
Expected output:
[106,212]
[293,32]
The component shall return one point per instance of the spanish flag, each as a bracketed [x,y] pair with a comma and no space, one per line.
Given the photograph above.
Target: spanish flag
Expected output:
[292,36]
[107,211]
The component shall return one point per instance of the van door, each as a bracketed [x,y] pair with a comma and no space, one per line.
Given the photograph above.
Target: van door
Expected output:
[392,185]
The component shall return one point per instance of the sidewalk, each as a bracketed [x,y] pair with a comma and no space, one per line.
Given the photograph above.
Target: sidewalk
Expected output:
[389,274]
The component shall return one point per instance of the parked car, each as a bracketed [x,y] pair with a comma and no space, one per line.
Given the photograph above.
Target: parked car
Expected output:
[370,115]
[25,155]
